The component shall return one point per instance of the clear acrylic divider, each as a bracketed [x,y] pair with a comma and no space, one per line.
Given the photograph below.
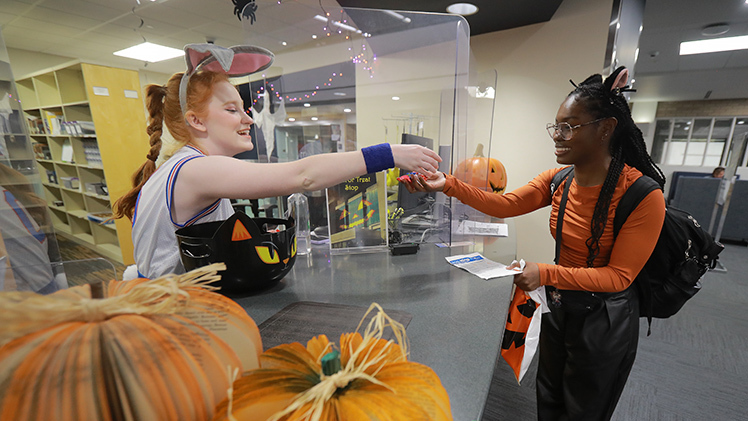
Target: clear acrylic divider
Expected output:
[360,77]
[46,278]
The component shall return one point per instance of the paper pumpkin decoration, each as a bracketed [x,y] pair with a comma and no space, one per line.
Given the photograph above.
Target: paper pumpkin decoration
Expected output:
[130,356]
[368,379]
[488,174]
[222,316]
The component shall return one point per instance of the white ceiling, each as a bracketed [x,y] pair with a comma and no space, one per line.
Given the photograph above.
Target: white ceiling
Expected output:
[662,74]
[92,29]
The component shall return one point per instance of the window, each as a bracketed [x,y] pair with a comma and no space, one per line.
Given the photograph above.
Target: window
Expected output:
[698,141]
[740,131]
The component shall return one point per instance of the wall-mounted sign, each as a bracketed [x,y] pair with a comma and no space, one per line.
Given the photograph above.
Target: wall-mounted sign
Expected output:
[101,91]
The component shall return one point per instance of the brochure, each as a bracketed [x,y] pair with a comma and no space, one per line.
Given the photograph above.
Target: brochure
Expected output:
[477,264]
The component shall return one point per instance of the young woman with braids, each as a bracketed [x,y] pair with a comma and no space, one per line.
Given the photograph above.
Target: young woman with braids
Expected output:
[589,338]
[197,123]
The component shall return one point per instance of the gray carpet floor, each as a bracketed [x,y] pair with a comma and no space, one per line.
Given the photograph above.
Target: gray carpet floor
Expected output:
[693,367]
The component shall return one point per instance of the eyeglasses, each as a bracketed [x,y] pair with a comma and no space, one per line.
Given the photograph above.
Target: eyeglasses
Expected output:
[564,129]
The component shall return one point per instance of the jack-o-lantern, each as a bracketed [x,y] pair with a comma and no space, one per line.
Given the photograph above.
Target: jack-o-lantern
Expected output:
[488,174]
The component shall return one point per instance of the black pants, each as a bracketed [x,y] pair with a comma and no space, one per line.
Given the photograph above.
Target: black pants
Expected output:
[587,349]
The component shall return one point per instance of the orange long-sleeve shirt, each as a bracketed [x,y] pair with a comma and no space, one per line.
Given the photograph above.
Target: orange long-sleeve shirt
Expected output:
[617,264]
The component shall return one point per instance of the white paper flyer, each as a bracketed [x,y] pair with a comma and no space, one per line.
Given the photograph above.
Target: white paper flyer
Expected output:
[478,265]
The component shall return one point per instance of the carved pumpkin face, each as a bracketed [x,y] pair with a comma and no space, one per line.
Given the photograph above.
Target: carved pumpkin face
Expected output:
[485,173]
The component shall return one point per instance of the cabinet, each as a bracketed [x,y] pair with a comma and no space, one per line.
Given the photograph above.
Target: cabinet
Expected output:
[87,133]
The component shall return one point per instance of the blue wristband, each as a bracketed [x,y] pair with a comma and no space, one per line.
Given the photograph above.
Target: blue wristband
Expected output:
[378,157]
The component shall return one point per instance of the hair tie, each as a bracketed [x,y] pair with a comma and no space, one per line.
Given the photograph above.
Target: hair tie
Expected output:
[169,146]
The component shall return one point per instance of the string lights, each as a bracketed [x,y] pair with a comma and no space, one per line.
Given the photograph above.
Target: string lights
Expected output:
[331,27]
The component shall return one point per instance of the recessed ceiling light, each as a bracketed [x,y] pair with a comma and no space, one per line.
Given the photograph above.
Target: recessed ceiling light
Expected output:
[348,110]
[396,98]
[715,29]
[149,52]
[307,105]
[284,43]
[314,36]
[315,118]
[291,119]
[714,45]
[464,9]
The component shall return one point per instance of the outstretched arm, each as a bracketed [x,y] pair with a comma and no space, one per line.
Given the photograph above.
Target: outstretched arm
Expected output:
[202,181]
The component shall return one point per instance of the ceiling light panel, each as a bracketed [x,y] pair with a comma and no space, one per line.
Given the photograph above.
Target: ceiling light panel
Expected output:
[714,45]
[152,53]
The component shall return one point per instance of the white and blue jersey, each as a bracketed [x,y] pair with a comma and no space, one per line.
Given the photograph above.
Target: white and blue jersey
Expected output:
[153,230]
[27,248]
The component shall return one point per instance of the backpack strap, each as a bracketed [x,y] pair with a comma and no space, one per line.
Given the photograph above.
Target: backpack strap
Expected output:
[568,174]
[559,177]
[630,200]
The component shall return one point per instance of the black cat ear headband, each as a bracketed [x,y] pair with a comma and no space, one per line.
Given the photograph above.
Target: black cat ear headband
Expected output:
[236,61]
[619,84]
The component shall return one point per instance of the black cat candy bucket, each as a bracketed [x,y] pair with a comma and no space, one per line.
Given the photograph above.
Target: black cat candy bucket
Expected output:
[258,252]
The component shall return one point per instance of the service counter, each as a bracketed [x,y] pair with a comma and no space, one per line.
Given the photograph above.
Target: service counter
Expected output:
[458,318]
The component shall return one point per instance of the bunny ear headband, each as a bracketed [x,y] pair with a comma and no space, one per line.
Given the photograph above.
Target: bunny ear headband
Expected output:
[239,60]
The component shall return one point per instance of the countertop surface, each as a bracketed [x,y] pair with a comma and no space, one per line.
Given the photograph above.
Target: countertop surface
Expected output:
[458,318]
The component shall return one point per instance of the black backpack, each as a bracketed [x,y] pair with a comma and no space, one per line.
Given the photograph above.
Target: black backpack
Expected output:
[684,252]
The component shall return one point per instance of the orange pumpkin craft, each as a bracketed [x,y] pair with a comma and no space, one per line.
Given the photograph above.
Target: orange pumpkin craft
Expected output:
[488,174]
[139,354]
[368,379]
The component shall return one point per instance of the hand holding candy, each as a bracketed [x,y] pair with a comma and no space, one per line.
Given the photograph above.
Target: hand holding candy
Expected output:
[423,183]
[410,177]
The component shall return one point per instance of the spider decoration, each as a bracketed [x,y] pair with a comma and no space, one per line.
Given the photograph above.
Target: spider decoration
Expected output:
[245,9]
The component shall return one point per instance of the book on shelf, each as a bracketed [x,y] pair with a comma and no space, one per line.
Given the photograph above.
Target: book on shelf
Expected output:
[36,126]
[67,152]
[79,128]
[52,123]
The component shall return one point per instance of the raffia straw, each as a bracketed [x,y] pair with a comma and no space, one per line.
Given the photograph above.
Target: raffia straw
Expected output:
[27,312]
[354,369]
[233,374]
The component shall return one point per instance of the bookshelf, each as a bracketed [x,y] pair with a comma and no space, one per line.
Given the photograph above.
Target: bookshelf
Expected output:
[86,127]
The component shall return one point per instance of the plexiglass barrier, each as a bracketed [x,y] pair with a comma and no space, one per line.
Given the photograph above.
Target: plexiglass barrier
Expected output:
[29,254]
[51,277]
[344,79]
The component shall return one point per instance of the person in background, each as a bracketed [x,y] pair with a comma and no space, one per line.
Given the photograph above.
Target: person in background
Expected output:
[197,123]
[588,340]
[25,236]
[718,172]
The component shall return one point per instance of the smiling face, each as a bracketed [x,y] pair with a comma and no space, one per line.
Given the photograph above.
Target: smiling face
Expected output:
[225,124]
[588,143]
